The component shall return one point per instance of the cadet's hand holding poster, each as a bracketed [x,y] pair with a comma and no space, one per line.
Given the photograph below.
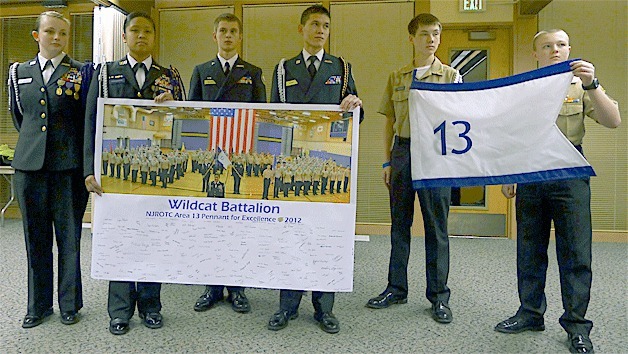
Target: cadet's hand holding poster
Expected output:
[254,195]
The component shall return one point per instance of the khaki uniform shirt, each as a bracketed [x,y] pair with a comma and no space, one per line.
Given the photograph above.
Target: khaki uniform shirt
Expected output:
[395,100]
[576,106]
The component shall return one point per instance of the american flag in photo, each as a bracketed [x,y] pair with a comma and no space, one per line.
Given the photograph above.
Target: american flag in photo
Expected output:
[232,129]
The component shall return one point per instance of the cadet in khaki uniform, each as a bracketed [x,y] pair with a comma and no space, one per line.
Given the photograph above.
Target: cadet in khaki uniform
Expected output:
[137,76]
[277,173]
[424,33]
[135,166]
[105,162]
[164,167]
[312,76]
[267,175]
[48,112]
[566,202]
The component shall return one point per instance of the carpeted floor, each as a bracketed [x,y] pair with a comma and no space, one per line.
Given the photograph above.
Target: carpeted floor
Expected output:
[482,280]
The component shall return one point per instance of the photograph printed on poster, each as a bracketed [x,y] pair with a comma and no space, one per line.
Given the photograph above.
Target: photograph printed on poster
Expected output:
[243,151]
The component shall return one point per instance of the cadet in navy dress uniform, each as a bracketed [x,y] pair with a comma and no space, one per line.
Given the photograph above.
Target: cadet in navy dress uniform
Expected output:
[47,109]
[216,189]
[118,80]
[237,172]
[227,78]
[313,77]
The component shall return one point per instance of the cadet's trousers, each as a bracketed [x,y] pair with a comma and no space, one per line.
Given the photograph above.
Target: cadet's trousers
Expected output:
[123,295]
[50,199]
[435,209]
[218,290]
[289,300]
[266,187]
[567,202]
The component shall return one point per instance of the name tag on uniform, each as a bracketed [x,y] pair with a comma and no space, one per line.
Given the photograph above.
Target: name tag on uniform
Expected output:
[400,88]
[291,83]
[333,80]
[26,80]
[209,81]
[571,100]
[117,79]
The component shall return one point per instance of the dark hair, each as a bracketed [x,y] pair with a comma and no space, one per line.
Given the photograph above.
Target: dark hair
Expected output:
[54,14]
[423,19]
[137,14]
[314,9]
[227,17]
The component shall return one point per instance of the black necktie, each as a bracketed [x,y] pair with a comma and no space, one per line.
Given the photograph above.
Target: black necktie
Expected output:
[312,67]
[227,68]
[137,67]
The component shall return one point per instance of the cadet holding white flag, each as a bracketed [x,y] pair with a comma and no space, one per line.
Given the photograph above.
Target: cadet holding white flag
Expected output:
[566,202]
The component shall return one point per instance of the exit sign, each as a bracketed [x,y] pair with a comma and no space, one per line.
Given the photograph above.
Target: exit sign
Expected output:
[472,5]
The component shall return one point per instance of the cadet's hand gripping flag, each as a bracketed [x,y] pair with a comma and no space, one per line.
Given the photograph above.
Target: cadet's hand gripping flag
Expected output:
[492,132]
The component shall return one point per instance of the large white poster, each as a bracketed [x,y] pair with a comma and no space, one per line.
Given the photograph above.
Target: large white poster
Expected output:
[254,195]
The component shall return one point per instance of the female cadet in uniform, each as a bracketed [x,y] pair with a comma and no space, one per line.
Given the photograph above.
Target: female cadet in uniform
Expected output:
[135,76]
[47,110]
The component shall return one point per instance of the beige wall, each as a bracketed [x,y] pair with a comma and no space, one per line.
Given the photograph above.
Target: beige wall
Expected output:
[377,44]
[605,45]
[186,38]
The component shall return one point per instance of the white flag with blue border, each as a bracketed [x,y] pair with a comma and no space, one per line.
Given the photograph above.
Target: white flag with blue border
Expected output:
[223,158]
[492,132]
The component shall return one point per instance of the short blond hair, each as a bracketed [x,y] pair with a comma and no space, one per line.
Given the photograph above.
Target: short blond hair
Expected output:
[54,14]
[554,30]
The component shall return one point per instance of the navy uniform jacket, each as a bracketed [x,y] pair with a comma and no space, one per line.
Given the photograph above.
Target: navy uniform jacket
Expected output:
[122,84]
[243,84]
[239,168]
[325,88]
[216,189]
[51,127]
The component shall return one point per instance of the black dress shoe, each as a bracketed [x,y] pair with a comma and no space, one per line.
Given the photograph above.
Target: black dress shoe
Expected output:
[441,312]
[386,299]
[206,301]
[280,320]
[152,320]
[70,318]
[118,326]
[239,302]
[328,322]
[31,321]
[518,324]
[580,343]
